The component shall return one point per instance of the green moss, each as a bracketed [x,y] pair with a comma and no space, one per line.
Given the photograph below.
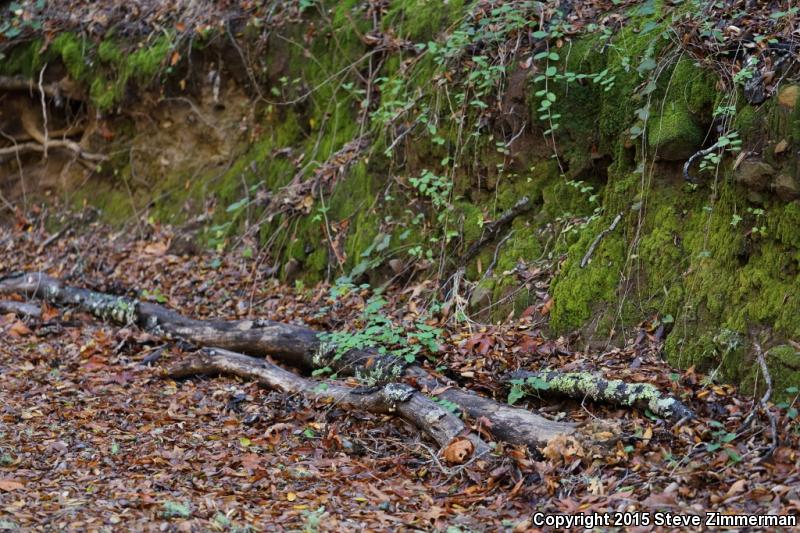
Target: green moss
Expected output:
[23,60]
[469,220]
[577,291]
[421,21]
[74,52]
[145,62]
[109,52]
[673,134]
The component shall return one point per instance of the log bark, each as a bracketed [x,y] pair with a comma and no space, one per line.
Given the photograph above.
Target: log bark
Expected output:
[20,308]
[293,345]
[581,385]
[393,398]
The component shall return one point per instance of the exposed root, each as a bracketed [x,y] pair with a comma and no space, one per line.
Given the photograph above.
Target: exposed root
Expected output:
[588,255]
[72,146]
[57,91]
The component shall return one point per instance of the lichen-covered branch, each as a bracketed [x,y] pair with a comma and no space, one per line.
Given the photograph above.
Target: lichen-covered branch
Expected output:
[580,385]
[393,398]
[293,345]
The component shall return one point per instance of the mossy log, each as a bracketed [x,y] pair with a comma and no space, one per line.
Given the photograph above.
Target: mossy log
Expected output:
[392,398]
[580,385]
[293,345]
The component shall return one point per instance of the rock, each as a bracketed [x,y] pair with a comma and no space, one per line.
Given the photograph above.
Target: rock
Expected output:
[397,266]
[754,174]
[481,297]
[787,187]
[788,96]
[291,266]
[674,136]
[781,147]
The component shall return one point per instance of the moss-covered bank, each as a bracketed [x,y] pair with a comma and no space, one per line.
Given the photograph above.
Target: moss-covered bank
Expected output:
[714,262]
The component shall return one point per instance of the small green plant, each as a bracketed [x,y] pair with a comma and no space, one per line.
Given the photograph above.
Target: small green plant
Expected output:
[759,228]
[312,520]
[433,186]
[723,439]
[381,334]
[173,509]
[155,296]
[524,387]
[448,405]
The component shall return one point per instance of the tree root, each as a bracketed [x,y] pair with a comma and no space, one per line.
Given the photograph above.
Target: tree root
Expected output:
[292,345]
[393,398]
[492,229]
[580,385]
[600,236]
[72,146]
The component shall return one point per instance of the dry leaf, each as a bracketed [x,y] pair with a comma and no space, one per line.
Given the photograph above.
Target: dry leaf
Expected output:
[19,329]
[458,451]
[547,306]
[563,447]
[156,248]
[8,485]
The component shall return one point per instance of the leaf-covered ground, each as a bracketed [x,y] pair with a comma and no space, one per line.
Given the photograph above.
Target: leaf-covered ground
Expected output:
[93,437]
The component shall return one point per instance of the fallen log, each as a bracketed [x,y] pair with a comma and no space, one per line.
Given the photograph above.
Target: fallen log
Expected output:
[399,399]
[293,345]
[20,308]
[580,385]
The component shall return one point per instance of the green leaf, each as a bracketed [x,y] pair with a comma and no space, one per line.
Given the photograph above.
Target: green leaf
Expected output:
[734,456]
[236,205]
[515,394]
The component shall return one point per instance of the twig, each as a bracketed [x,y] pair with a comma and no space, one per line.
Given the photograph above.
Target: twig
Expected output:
[688,164]
[496,254]
[763,403]
[44,109]
[52,238]
[596,241]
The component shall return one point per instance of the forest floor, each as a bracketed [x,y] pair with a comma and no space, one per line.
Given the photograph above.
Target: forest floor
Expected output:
[93,436]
